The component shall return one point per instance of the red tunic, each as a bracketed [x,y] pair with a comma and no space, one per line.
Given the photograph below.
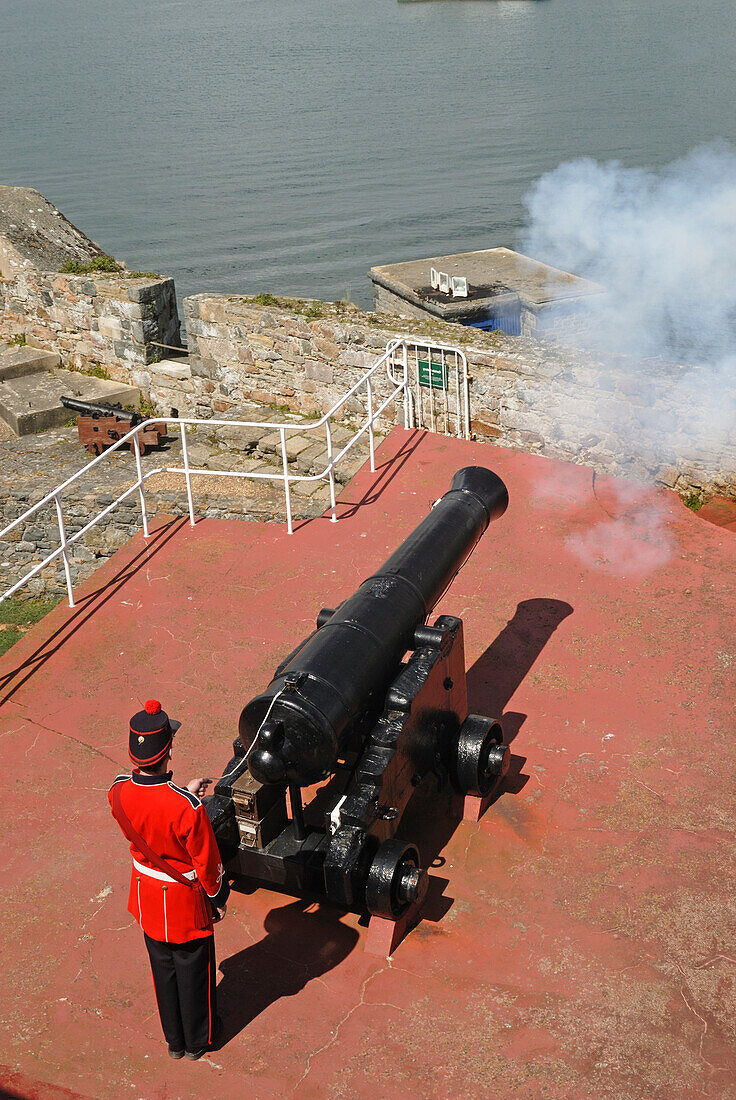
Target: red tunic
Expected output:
[175,825]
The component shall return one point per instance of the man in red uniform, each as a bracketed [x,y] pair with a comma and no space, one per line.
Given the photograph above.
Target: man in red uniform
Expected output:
[177,882]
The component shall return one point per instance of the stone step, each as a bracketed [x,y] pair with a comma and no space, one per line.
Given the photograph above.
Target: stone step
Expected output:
[31,403]
[17,362]
[179,368]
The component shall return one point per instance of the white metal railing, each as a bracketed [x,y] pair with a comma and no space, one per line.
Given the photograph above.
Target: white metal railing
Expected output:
[435,384]
[397,358]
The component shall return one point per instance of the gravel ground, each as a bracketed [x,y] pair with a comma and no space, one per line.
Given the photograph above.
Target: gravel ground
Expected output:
[33,465]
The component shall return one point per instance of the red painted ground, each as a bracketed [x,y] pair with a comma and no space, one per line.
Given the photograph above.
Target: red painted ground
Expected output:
[589,947]
[720,511]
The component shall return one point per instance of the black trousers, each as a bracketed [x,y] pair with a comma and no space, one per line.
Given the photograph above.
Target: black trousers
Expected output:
[184,976]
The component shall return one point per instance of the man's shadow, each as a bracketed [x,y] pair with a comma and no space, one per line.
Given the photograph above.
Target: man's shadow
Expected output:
[303,940]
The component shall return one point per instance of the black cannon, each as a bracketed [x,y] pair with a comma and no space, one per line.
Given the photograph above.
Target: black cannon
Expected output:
[347,710]
[100,425]
[96,409]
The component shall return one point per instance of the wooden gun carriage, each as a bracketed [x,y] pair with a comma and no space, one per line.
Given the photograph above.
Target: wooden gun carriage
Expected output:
[100,425]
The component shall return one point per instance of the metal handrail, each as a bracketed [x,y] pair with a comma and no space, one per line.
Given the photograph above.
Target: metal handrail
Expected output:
[401,386]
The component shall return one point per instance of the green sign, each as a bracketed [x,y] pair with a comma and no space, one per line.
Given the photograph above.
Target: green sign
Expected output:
[437,378]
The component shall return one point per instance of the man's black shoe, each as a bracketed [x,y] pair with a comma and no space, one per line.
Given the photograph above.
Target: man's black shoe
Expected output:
[175,1053]
[195,1054]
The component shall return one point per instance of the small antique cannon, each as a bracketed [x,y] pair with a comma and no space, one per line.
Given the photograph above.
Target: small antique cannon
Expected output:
[346,710]
[100,425]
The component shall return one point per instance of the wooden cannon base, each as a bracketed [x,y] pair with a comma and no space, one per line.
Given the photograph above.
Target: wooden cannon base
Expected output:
[383,936]
[98,433]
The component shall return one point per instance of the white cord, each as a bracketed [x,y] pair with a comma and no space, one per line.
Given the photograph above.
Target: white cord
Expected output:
[220,779]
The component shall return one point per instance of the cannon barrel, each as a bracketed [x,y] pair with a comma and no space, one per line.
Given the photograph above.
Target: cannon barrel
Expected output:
[292,732]
[96,409]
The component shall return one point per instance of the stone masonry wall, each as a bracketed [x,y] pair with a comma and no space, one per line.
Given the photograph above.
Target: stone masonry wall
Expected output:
[31,542]
[90,320]
[650,420]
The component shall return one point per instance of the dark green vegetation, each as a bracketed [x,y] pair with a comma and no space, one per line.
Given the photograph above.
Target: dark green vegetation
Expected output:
[100,264]
[145,408]
[694,501]
[17,616]
[17,341]
[94,370]
[312,309]
[104,265]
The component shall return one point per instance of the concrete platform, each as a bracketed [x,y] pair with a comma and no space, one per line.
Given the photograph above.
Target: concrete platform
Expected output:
[17,362]
[31,403]
[579,939]
[497,277]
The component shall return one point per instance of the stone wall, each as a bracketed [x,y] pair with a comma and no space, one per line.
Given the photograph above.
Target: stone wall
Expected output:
[114,322]
[650,420]
[303,358]
[31,542]
[110,318]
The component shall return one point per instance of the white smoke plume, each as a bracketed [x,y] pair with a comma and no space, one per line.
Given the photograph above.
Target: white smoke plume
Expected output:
[662,243]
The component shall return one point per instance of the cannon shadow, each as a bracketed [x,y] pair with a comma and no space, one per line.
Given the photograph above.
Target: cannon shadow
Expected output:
[303,940]
[497,674]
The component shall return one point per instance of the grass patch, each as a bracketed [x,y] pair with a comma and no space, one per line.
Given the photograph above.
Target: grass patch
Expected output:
[8,637]
[93,370]
[17,341]
[143,275]
[694,501]
[17,612]
[96,371]
[309,308]
[18,616]
[145,408]
[99,264]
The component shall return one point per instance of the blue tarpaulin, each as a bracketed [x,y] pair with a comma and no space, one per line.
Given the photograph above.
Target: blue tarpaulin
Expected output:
[508,321]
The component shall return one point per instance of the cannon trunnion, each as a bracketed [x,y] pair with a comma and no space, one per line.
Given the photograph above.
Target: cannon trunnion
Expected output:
[347,715]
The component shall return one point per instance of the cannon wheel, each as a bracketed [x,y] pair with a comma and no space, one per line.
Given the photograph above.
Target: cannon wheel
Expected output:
[395,880]
[481,759]
[141,444]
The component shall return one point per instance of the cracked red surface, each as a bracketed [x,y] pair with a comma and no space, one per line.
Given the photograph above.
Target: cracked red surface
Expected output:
[581,938]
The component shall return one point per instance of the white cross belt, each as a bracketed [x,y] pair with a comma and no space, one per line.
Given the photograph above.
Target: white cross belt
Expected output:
[152,873]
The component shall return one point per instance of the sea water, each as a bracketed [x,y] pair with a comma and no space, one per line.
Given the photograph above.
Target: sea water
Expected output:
[288,145]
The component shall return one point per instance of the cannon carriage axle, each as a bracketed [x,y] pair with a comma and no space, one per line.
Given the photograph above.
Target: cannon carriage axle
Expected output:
[362,726]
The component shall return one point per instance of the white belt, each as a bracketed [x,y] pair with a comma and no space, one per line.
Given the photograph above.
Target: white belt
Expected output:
[160,874]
